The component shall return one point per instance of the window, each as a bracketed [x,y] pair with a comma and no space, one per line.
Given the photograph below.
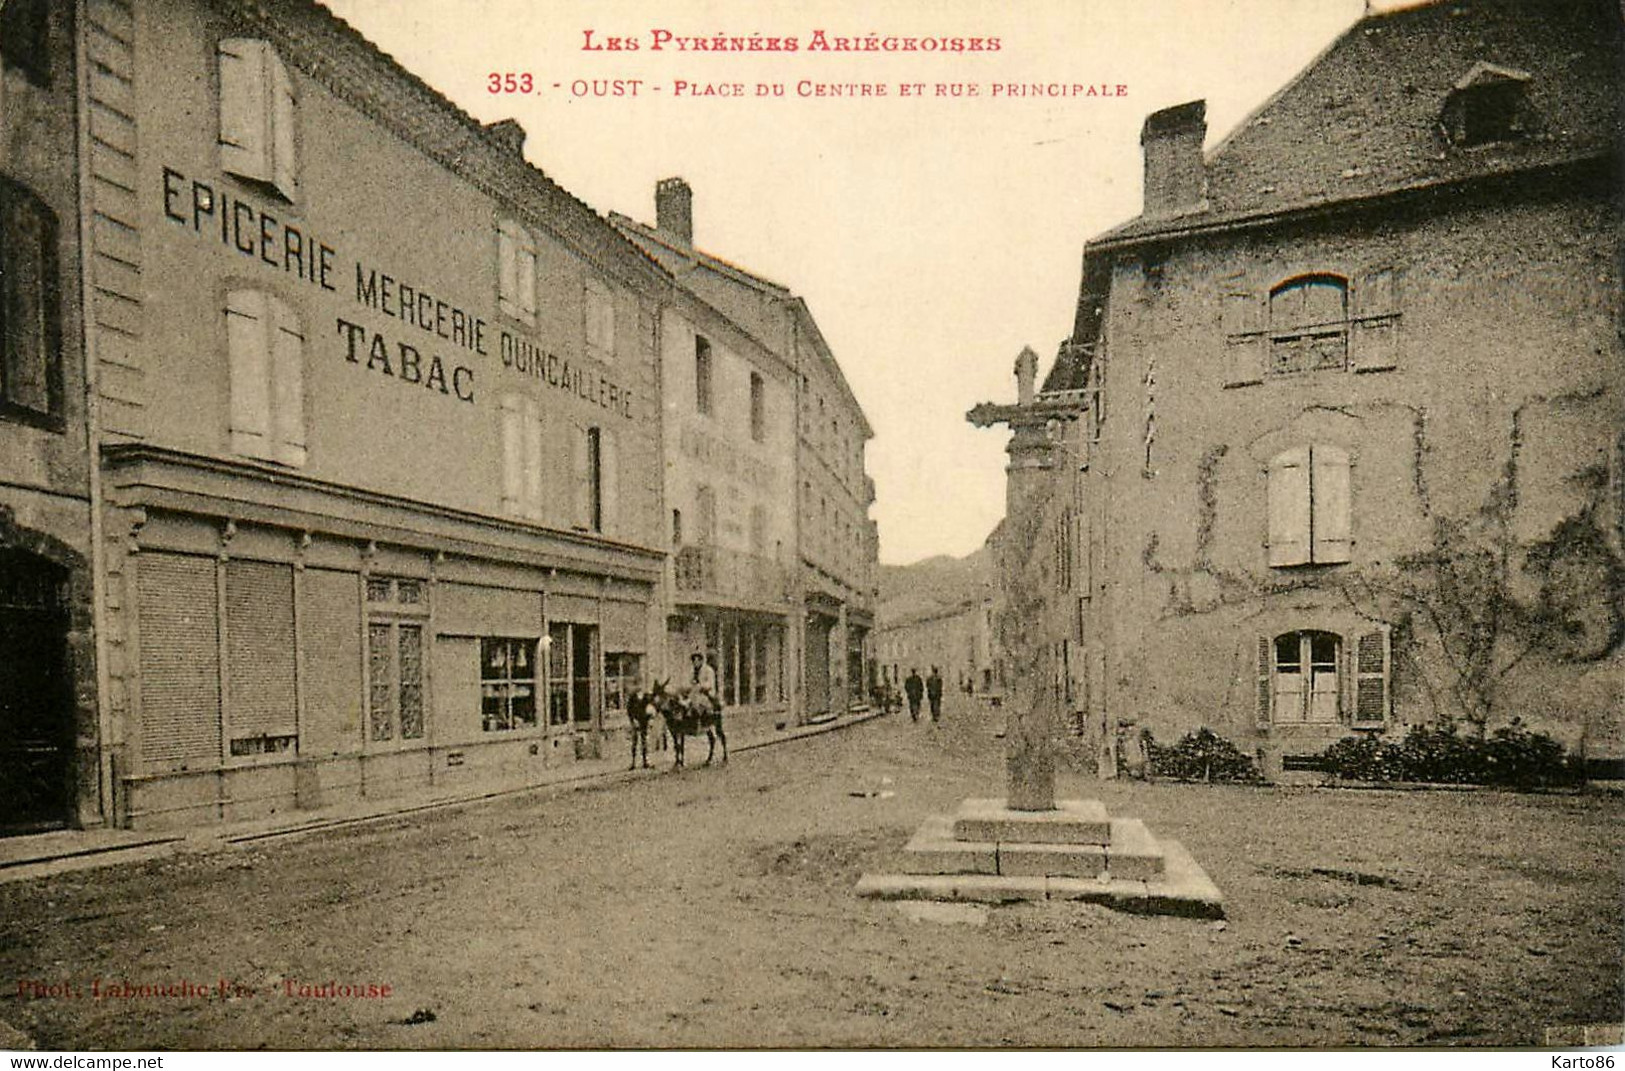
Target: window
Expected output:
[758,407]
[622,671]
[597,469]
[516,272]
[521,457]
[705,505]
[1309,325]
[267,366]
[1301,679]
[702,375]
[31,372]
[595,479]
[571,664]
[1489,104]
[600,311]
[1309,514]
[25,38]
[258,116]
[396,614]
[676,527]
[507,684]
[758,529]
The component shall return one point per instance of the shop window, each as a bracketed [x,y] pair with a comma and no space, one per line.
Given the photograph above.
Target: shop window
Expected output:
[1309,511]
[571,668]
[266,346]
[622,672]
[1487,105]
[25,39]
[396,614]
[600,312]
[521,457]
[702,375]
[258,116]
[758,407]
[30,326]
[1309,325]
[516,272]
[507,684]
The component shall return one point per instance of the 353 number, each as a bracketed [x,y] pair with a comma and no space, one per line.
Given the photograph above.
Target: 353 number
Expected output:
[508,83]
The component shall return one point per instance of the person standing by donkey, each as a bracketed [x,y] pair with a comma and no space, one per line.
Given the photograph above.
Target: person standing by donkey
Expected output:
[914,688]
[933,692]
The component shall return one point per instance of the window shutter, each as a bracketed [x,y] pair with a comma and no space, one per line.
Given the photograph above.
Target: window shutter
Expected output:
[531,459]
[1289,507]
[29,328]
[516,272]
[526,293]
[287,376]
[284,118]
[610,490]
[245,148]
[248,336]
[507,265]
[1263,699]
[1245,340]
[580,478]
[1332,516]
[1372,662]
[1374,341]
[513,456]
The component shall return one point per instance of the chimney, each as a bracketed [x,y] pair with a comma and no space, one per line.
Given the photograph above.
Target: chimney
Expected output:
[674,209]
[1175,181]
[509,134]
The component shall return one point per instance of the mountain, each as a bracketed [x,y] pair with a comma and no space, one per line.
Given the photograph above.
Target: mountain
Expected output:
[933,584]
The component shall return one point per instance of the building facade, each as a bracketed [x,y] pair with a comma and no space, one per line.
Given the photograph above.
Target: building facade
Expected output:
[957,640]
[379,426]
[835,543]
[50,731]
[1336,444]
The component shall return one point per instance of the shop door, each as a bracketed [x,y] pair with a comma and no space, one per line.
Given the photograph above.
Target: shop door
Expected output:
[36,731]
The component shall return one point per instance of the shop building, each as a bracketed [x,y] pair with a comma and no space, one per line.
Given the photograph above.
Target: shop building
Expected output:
[379,426]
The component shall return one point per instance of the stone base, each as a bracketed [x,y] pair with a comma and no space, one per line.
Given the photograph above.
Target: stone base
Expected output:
[990,854]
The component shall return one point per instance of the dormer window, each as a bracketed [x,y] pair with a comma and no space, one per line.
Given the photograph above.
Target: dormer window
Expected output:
[1489,104]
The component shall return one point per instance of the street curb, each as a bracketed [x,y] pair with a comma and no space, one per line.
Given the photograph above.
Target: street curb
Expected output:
[217,838]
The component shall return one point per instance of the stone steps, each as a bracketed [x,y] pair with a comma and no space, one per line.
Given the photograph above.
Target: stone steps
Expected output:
[989,853]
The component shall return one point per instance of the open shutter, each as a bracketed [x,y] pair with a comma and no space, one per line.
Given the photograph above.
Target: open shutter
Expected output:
[580,478]
[1245,339]
[1262,708]
[516,272]
[1372,660]
[1289,507]
[248,341]
[1329,482]
[1374,335]
[610,475]
[287,341]
[245,142]
[513,456]
[531,459]
[284,118]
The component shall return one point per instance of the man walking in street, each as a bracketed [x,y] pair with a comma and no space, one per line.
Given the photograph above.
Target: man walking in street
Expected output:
[914,688]
[933,692]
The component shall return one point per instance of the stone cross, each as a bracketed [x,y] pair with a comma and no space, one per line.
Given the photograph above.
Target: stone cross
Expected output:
[1031,705]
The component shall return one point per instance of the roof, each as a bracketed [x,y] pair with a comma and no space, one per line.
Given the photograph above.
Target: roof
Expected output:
[1364,118]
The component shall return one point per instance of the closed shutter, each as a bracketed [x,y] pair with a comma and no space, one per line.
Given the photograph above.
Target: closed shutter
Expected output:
[31,375]
[577,608]
[259,650]
[1374,342]
[470,610]
[1262,703]
[1289,507]
[1372,662]
[245,99]
[330,630]
[626,626]
[531,458]
[248,320]
[609,465]
[516,272]
[287,383]
[1245,340]
[1332,517]
[180,661]
[513,455]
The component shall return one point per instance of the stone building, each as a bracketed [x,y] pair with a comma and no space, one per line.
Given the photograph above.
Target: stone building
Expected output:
[1336,443]
[836,545]
[51,737]
[377,421]
[955,639]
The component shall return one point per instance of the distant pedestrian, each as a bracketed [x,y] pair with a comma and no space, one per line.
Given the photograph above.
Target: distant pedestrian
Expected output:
[933,691]
[914,688]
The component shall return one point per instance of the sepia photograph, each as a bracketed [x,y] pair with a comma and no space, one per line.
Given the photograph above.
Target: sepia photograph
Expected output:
[600,525]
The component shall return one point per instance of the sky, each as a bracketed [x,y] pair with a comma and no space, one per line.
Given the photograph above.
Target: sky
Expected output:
[933,236]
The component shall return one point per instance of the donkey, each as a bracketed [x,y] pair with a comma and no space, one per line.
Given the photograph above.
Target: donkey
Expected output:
[687,713]
[640,710]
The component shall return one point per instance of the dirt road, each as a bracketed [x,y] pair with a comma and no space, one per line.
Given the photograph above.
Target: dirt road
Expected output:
[714,907]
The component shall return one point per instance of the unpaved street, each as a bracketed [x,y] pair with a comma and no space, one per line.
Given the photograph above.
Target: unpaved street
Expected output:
[714,907]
